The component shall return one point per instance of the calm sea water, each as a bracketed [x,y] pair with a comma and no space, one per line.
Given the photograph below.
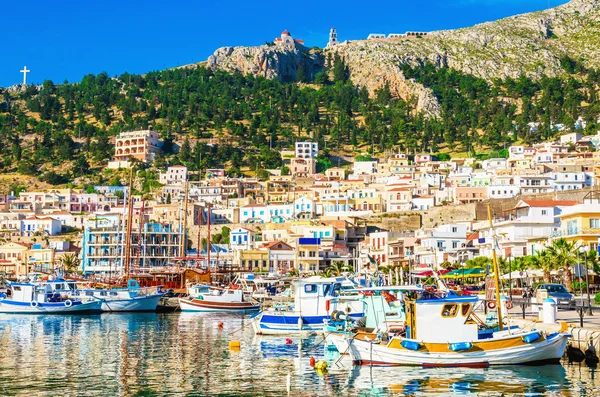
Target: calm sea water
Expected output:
[186,354]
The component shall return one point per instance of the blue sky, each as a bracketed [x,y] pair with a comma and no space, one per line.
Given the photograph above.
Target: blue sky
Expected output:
[68,39]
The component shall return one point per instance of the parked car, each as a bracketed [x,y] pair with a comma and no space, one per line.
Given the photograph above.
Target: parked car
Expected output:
[559,293]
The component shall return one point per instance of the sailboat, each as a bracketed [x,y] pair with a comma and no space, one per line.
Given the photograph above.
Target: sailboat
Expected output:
[442,331]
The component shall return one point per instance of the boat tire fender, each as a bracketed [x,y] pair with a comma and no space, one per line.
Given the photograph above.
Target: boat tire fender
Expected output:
[508,305]
[491,305]
[68,303]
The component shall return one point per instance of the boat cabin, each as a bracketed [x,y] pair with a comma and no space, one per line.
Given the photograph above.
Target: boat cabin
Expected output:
[312,294]
[441,317]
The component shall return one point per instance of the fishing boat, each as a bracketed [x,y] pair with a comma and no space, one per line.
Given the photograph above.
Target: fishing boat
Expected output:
[204,298]
[442,331]
[312,306]
[130,299]
[45,297]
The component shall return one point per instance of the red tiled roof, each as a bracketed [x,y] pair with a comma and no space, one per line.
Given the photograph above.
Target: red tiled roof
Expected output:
[472,236]
[400,189]
[550,203]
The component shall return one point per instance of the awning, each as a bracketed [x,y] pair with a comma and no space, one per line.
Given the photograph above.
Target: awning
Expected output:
[428,272]
[465,273]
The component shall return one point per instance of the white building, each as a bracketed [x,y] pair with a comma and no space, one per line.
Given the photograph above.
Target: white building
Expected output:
[175,175]
[568,180]
[307,150]
[443,243]
[529,223]
[333,41]
[41,224]
[364,168]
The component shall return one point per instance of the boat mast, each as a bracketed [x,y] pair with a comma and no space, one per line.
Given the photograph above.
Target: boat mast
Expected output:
[129,224]
[208,238]
[185,209]
[139,250]
[496,273]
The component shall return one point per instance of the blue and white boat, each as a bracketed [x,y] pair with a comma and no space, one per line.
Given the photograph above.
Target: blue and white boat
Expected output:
[130,299]
[312,306]
[46,297]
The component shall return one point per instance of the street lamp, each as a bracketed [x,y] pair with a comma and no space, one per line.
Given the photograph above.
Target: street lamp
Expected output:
[584,250]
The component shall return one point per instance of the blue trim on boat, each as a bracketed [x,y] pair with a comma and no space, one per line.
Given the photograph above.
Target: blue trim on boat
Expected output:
[40,304]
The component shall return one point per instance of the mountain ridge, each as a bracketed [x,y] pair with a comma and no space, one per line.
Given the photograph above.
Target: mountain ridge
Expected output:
[529,44]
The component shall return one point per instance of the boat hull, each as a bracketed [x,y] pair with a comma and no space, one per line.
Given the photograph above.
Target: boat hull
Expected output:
[197,305]
[138,304]
[7,306]
[364,352]
[286,323]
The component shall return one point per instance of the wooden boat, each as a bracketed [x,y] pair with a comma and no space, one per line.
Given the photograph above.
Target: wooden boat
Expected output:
[441,332]
[204,298]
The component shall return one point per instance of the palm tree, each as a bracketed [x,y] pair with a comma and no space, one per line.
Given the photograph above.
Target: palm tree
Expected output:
[564,254]
[70,262]
[336,269]
[541,260]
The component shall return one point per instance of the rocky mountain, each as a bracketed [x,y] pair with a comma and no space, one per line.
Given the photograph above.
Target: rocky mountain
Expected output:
[530,44]
[269,60]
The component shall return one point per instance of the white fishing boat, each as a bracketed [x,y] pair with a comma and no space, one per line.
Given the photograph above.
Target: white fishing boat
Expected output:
[203,298]
[45,297]
[441,330]
[312,306]
[130,299]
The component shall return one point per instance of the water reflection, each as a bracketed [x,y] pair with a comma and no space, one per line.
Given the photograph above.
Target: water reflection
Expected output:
[188,354]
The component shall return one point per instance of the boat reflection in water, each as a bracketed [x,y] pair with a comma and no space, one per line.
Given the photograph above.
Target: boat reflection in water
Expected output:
[514,380]
[187,354]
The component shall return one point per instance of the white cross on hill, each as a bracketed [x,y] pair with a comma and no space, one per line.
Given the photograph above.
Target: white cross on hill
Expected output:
[24,71]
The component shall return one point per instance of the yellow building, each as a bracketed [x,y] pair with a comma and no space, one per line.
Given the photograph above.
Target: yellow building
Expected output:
[254,260]
[581,223]
[307,254]
[13,258]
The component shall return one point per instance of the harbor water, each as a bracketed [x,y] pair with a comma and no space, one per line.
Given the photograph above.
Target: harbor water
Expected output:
[188,354]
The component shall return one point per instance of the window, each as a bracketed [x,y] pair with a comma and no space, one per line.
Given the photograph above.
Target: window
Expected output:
[595,223]
[454,244]
[454,229]
[310,288]
[544,212]
[449,310]
[465,309]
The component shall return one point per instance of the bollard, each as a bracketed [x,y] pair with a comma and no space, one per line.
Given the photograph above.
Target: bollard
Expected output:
[549,307]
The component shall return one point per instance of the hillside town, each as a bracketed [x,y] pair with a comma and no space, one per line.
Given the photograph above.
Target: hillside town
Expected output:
[307,221]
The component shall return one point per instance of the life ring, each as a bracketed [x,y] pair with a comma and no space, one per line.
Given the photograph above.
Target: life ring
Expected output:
[33,304]
[508,305]
[68,303]
[491,305]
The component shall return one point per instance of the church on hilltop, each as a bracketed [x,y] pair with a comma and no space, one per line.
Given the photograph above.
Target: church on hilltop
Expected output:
[286,39]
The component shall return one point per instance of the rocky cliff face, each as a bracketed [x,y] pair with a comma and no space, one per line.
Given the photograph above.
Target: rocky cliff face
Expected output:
[270,61]
[529,44]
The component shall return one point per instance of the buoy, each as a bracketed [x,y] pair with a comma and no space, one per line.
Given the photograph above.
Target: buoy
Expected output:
[234,345]
[220,325]
[288,341]
[574,354]
[321,367]
[312,362]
